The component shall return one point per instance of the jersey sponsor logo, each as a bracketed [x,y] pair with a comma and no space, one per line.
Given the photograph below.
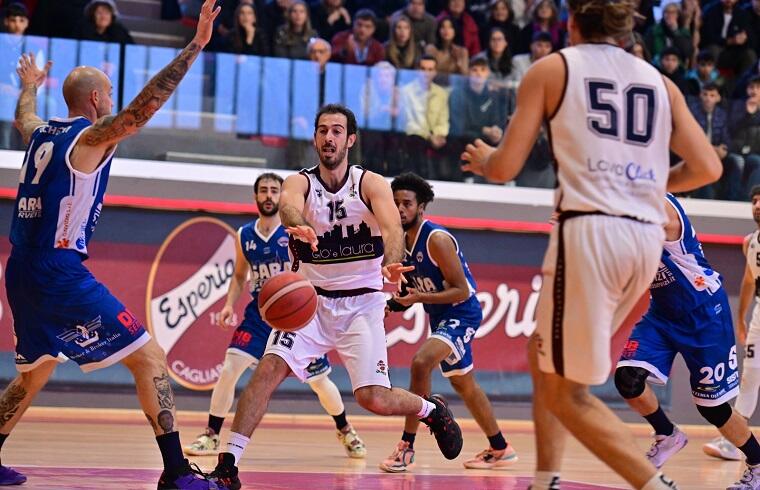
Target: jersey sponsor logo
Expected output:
[262,271]
[382,368]
[419,257]
[663,278]
[83,335]
[29,207]
[345,243]
[631,171]
[186,290]
[282,241]
[629,351]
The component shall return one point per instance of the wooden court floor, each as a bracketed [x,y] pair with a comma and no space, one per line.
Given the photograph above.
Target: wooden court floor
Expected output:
[108,449]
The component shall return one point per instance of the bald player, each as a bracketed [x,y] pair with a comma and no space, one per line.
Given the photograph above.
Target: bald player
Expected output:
[59,310]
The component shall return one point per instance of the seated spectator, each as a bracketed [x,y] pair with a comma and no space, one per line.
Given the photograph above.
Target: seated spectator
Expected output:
[465,28]
[357,46]
[704,74]
[54,18]
[691,19]
[744,125]
[450,57]
[737,56]
[246,37]
[638,47]
[16,19]
[100,24]
[740,87]
[498,54]
[670,66]
[380,104]
[669,33]
[273,15]
[330,17]
[753,26]
[402,49]
[500,15]
[293,36]
[423,24]
[480,113]
[717,20]
[545,18]
[424,118]
[714,122]
[540,46]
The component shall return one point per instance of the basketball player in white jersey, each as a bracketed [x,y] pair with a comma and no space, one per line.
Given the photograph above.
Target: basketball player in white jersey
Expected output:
[749,338]
[60,311]
[346,236]
[612,119]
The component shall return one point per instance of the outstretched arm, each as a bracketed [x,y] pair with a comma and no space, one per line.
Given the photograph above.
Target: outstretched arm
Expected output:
[110,130]
[292,200]
[31,78]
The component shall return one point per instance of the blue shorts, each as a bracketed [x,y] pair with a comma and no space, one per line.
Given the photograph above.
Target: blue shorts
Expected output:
[60,311]
[705,339]
[457,330]
[251,337]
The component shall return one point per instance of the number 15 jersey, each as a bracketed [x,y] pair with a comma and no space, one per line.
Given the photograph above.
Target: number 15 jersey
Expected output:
[611,135]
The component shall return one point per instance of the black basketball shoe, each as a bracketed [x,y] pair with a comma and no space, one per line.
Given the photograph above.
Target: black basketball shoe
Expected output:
[443,426]
[226,473]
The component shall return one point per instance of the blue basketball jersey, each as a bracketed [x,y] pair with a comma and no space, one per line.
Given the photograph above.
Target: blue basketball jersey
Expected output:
[57,206]
[427,277]
[267,256]
[685,279]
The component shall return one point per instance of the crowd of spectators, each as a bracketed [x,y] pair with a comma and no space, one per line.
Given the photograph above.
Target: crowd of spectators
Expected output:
[467,58]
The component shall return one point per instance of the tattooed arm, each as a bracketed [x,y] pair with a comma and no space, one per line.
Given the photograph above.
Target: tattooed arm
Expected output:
[31,78]
[101,138]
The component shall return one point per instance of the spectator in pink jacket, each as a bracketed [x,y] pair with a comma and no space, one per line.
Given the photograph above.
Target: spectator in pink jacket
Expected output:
[465,26]
[357,46]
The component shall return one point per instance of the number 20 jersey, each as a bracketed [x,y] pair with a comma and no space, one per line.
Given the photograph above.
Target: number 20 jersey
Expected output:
[57,206]
[611,135]
[350,248]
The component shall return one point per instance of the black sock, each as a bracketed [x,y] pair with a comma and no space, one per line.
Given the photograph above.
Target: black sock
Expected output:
[751,449]
[660,423]
[409,437]
[340,420]
[215,423]
[497,441]
[3,437]
[171,450]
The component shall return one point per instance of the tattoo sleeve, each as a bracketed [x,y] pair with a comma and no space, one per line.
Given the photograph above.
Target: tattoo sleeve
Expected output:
[10,402]
[27,119]
[112,129]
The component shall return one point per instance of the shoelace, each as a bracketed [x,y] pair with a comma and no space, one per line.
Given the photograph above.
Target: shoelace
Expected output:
[194,468]
[654,449]
[747,477]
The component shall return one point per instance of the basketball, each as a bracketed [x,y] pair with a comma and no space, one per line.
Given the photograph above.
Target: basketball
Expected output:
[287,302]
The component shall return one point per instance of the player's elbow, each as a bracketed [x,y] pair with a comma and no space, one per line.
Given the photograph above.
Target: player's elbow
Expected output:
[463,294]
[714,170]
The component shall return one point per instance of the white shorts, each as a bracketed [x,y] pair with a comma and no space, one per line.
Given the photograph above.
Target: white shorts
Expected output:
[595,271]
[351,326]
[751,354]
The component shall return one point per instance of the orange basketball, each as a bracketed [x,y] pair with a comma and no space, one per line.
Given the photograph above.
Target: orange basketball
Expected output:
[287,301]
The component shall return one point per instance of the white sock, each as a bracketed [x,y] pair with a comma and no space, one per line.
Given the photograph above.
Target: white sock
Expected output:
[328,394]
[237,444]
[659,482]
[224,391]
[545,480]
[427,407]
[747,399]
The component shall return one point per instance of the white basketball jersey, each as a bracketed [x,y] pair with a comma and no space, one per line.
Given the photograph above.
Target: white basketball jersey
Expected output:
[350,249]
[753,258]
[611,135]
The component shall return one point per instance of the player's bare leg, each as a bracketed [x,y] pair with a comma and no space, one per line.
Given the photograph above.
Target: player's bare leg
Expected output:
[549,433]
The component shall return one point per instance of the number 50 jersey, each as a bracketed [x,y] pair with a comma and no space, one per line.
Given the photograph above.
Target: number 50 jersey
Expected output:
[611,135]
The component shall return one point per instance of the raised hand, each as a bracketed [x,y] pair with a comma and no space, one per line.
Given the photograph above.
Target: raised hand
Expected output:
[28,71]
[206,22]
[395,272]
[305,234]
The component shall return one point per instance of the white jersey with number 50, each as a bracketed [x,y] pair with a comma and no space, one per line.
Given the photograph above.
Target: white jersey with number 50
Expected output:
[350,247]
[611,135]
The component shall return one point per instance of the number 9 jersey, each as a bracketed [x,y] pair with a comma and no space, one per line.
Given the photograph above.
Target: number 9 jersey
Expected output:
[610,135]
[57,206]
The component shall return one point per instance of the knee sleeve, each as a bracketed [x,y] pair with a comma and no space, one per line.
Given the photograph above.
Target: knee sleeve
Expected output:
[328,394]
[224,391]
[717,416]
[747,399]
[630,381]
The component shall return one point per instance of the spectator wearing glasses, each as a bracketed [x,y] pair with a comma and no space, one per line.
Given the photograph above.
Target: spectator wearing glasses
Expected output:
[357,46]
[498,54]
[501,15]
[293,37]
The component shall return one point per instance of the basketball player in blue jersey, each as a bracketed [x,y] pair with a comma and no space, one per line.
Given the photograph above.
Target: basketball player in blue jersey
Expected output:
[613,121]
[442,282]
[346,236]
[689,314]
[60,311]
[262,252]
